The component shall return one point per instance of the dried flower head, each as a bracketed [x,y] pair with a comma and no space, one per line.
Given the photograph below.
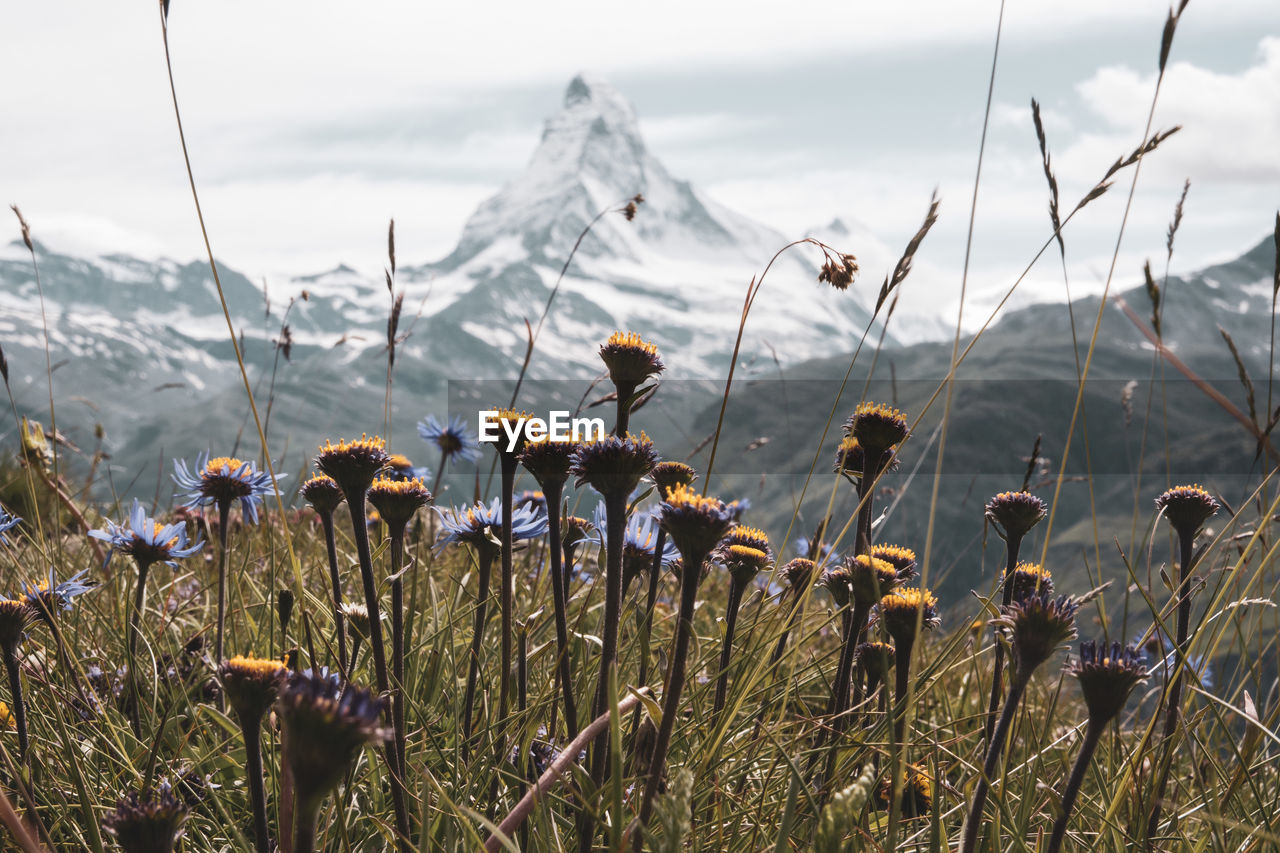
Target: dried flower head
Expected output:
[326,724]
[630,359]
[667,475]
[1030,579]
[397,501]
[901,558]
[549,461]
[353,465]
[357,619]
[917,793]
[251,684]
[695,523]
[876,660]
[1015,513]
[901,609]
[870,578]
[614,465]
[1036,627]
[798,574]
[839,271]
[1107,676]
[1187,508]
[837,582]
[322,493]
[876,426]
[147,821]
[221,480]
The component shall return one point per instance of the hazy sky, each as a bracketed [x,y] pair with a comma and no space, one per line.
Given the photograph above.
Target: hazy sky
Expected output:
[312,122]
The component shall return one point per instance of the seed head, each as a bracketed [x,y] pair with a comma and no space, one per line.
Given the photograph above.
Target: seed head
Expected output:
[1036,626]
[1107,676]
[322,493]
[353,465]
[630,360]
[1015,513]
[1187,508]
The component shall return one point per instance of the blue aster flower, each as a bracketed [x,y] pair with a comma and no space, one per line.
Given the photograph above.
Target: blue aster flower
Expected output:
[147,540]
[221,480]
[1166,657]
[7,522]
[472,525]
[453,439]
[641,535]
[45,596]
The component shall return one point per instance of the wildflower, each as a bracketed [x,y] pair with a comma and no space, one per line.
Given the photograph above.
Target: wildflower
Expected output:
[870,578]
[850,458]
[353,465]
[750,537]
[837,581]
[322,493]
[917,795]
[452,439]
[475,525]
[1107,676]
[738,508]
[7,523]
[576,530]
[798,574]
[614,465]
[900,610]
[147,821]
[877,427]
[15,615]
[511,422]
[876,660]
[839,271]
[902,559]
[640,542]
[146,540]
[357,618]
[398,500]
[630,359]
[400,467]
[549,461]
[326,724]
[695,523]
[252,684]
[284,608]
[1187,508]
[221,481]
[744,562]
[667,475]
[1015,513]
[7,721]
[47,595]
[530,497]
[1029,579]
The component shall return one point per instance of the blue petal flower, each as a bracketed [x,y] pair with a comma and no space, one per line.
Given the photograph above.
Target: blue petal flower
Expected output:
[223,480]
[7,522]
[453,439]
[146,539]
[476,524]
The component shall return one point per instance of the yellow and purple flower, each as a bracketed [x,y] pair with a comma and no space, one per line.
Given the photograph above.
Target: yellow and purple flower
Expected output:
[221,480]
[47,595]
[147,540]
[478,525]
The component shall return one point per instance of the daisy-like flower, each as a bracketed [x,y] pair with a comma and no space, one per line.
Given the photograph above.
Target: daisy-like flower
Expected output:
[917,794]
[695,523]
[738,508]
[48,594]
[876,661]
[1030,579]
[849,459]
[1187,508]
[836,581]
[870,578]
[15,615]
[147,821]
[400,467]
[1015,513]
[798,575]
[222,480]
[252,684]
[667,475]
[902,559]
[322,493]
[397,501]
[477,525]
[877,427]
[452,439]
[1037,626]
[357,619]
[147,540]
[630,359]
[750,537]
[353,465]
[900,609]
[8,521]
[530,497]
[549,461]
[574,531]
[743,562]
[614,465]
[508,422]
[639,543]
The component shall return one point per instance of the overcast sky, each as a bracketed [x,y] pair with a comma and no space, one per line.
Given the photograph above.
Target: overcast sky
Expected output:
[311,122]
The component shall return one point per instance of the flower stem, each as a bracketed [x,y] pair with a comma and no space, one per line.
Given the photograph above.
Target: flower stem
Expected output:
[331,548]
[1173,704]
[139,600]
[253,775]
[973,820]
[15,693]
[397,648]
[559,594]
[1013,545]
[224,516]
[1092,734]
[726,649]
[304,827]
[615,506]
[484,557]
[506,598]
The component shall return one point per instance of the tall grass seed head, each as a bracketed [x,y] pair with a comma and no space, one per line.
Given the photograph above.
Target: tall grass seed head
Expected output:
[876,659]
[397,501]
[1187,508]
[323,493]
[900,609]
[1107,675]
[667,475]
[549,461]
[1029,579]
[614,465]
[1015,513]
[870,578]
[15,615]
[695,523]
[901,558]
[452,438]
[839,271]
[326,724]
[877,427]
[630,359]
[221,480]
[353,465]
[1037,626]
[251,684]
[147,821]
